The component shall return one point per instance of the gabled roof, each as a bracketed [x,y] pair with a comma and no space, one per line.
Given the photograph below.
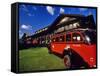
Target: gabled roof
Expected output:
[61,16]
[52,27]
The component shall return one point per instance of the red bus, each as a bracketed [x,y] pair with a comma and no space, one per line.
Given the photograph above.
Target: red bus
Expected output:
[77,47]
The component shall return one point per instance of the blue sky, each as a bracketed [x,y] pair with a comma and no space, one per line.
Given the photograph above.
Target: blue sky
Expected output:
[35,17]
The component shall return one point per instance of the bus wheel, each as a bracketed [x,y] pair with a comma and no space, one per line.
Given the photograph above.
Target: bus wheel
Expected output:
[67,61]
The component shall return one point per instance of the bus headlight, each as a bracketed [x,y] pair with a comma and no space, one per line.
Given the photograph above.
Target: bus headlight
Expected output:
[91,59]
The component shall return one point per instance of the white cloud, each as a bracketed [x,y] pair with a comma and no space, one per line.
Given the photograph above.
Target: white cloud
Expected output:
[20,35]
[50,10]
[25,8]
[34,7]
[20,31]
[26,27]
[29,14]
[62,10]
[90,13]
[82,9]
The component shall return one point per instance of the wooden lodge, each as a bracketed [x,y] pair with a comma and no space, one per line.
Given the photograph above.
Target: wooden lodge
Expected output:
[62,23]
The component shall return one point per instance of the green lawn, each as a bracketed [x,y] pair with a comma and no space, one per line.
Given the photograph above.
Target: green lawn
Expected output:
[38,59]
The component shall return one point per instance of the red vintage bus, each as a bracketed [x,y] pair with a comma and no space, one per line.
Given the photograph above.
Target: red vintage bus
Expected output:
[77,47]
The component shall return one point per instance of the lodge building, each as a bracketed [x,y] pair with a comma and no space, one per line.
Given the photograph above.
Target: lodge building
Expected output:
[62,23]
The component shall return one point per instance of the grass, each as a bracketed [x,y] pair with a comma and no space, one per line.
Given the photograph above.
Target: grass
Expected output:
[35,59]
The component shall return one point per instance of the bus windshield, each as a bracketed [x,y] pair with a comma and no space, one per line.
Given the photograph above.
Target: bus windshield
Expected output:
[90,37]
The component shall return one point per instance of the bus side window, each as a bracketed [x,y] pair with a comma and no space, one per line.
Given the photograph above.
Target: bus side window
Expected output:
[61,39]
[68,37]
[76,37]
[53,40]
[57,39]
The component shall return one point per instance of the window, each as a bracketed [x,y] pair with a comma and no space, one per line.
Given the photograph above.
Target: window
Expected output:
[66,27]
[68,37]
[61,39]
[57,39]
[75,25]
[90,37]
[53,40]
[59,29]
[64,19]
[76,37]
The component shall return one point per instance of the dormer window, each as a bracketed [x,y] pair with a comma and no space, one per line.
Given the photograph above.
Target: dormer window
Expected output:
[64,19]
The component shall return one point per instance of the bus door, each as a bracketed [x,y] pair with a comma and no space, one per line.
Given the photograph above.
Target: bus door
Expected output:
[58,44]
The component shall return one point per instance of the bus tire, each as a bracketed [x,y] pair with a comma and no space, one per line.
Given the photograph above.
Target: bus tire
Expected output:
[67,61]
[73,61]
